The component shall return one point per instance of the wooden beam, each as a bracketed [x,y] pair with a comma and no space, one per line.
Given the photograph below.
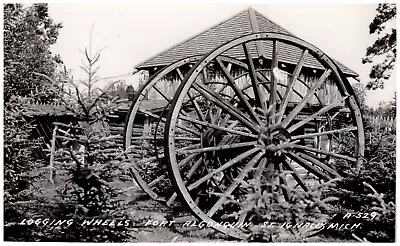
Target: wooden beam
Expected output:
[255,28]
[53,149]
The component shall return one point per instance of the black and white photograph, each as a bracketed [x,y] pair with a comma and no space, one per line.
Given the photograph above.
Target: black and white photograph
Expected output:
[164,122]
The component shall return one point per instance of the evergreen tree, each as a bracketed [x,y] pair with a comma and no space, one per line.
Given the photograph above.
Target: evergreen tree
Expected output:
[384,48]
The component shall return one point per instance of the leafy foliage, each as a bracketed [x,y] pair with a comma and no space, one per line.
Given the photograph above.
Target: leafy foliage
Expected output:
[18,150]
[122,91]
[360,90]
[28,34]
[383,46]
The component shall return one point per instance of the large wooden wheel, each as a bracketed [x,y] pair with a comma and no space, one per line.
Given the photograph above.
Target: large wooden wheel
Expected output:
[144,129]
[246,130]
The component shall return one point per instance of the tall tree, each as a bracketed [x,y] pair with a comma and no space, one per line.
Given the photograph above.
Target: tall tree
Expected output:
[28,34]
[384,48]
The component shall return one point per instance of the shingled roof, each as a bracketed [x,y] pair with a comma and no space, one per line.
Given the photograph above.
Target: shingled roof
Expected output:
[244,23]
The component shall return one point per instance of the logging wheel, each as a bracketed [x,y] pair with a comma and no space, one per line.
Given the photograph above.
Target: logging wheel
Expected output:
[273,127]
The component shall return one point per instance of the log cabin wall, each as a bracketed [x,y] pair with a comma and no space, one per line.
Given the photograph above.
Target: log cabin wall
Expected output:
[328,93]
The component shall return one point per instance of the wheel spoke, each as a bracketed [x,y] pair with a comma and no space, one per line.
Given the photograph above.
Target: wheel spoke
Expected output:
[154,182]
[229,108]
[245,134]
[192,99]
[234,184]
[180,164]
[196,107]
[215,148]
[194,168]
[319,163]
[259,171]
[260,99]
[315,115]
[153,158]
[225,121]
[295,175]
[326,123]
[233,61]
[347,158]
[223,167]
[312,135]
[290,85]
[274,86]
[161,138]
[305,100]
[204,73]
[161,93]
[307,166]
[283,182]
[187,159]
[191,172]
[164,120]
[238,92]
[265,84]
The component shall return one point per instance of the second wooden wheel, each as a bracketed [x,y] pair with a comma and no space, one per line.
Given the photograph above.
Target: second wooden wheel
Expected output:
[248,130]
[144,129]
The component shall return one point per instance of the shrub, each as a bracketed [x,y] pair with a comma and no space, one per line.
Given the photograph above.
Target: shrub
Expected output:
[288,215]
[376,175]
[90,170]
[19,162]
[87,173]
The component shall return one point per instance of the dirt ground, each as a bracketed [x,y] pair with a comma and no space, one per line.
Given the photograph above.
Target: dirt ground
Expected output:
[143,209]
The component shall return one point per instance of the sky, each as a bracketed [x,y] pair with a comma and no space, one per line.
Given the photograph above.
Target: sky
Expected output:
[133,32]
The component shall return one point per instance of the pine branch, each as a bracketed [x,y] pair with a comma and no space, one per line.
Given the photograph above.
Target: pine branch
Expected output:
[77,161]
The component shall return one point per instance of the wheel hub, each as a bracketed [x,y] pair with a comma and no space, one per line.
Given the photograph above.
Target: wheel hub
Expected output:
[271,139]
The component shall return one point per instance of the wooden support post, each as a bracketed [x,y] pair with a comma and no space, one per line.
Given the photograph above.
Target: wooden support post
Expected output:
[53,149]
[318,139]
[146,126]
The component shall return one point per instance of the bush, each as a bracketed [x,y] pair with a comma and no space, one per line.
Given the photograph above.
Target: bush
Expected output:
[86,174]
[270,205]
[19,162]
[91,169]
[368,190]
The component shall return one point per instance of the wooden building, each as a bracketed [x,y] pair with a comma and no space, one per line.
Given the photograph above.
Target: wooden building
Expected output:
[44,117]
[244,23]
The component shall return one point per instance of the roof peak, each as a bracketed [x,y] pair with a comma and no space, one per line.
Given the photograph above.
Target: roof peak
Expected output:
[242,23]
[193,36]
